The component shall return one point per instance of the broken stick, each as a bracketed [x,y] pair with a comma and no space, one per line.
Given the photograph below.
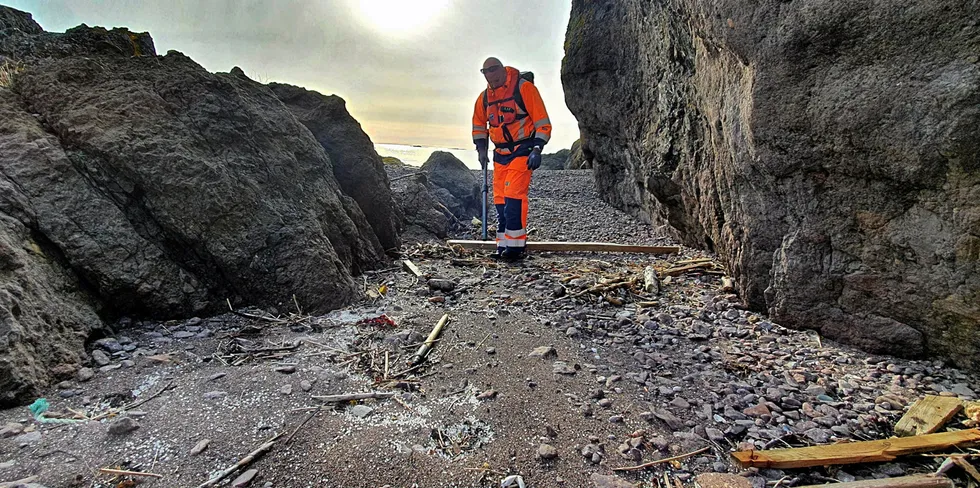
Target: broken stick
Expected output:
[430,341]
[16,483]
[354,396]
[661,461]
[961,461]
[252,456]
[301,424]
[915,481]
[855,452]
[684,269]
[123,472]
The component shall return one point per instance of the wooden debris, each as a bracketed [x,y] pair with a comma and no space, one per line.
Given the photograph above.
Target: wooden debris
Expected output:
[573,247]
[354,396]
[715,480]
[651,283]
[412,268]
[16,483]
[914,481]
[927,415]
[855,452]
[245,461]
[134,404]
[960,460]
[727,285]
[238,352]
[661,461]
[430,341]
[694,261]
[677,271]
[123,472]
[301,424]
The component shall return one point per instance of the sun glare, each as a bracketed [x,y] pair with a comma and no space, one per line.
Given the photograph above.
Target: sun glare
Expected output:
[400,18]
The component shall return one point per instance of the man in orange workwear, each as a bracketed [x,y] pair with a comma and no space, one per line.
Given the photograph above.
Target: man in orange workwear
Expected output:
[510,113]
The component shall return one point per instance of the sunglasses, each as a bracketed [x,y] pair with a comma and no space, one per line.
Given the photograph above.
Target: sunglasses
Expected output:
[490,69]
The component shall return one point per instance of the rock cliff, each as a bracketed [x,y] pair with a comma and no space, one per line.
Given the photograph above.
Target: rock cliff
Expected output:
[828,150]
[143,185]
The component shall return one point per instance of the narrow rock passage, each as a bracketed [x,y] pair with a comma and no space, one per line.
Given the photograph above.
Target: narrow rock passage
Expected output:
[526,379]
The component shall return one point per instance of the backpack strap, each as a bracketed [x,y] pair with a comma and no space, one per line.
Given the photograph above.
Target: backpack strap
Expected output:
[517,94]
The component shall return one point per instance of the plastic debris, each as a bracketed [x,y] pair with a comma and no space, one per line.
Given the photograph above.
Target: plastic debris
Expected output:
[511,480]
[382,320]
[40,406]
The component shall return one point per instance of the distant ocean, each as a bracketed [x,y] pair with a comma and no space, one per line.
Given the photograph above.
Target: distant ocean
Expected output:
[416,155]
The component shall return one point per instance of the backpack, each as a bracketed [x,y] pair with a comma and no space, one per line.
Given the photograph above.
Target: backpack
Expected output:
[525,75]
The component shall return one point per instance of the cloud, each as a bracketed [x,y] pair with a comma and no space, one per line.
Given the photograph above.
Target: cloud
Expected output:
[425,81]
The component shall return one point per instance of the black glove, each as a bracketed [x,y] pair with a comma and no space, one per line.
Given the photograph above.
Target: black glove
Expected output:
[534,160]
[482,146]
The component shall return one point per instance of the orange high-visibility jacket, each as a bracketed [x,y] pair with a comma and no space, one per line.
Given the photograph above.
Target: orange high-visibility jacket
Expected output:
[500,118]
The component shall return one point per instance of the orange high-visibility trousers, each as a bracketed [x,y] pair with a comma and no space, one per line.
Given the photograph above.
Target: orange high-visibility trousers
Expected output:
[511,183]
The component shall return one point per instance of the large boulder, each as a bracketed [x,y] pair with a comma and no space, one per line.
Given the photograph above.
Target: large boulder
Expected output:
[155,188]
[356,164]
[829,150]
[456,185]
[577,157]
[425,215]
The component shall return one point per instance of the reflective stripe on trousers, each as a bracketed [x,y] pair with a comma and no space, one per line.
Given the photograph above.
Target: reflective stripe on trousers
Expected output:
[511,183]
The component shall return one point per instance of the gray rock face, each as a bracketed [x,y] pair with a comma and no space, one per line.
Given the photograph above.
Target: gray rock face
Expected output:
[12,19]
[356,164]
[422,210]
[45,313]
[577,157]
[828,150]
[144,185]
[456,186]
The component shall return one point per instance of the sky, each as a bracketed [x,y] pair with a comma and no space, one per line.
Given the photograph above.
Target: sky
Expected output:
[408,69]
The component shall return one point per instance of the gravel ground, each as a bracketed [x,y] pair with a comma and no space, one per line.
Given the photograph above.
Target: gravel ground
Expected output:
[557,369]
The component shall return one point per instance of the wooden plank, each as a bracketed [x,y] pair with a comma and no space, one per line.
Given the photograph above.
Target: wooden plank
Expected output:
[573,246]
[927,415]
[412,268]
[914,481]
[855,452]
[684,269]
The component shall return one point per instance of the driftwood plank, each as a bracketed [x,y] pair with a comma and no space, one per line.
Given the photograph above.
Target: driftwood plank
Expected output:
[573,246]
[915,481]
[927,415]
[412,268]
[855,452]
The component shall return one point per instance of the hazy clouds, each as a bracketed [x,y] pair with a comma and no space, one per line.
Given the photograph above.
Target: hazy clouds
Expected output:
[416,88]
